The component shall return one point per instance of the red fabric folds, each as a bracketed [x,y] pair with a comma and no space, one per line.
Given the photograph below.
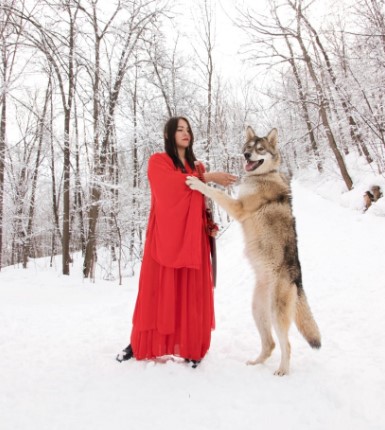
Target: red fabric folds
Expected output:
[176,216]
[174,312]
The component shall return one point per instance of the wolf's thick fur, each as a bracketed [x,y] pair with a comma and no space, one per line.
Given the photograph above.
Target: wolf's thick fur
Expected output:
[264,210]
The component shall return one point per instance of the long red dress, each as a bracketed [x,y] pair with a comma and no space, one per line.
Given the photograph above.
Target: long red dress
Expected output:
[174,311]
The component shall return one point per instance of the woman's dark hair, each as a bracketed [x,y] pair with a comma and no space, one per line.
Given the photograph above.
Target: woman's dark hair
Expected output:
[170,144]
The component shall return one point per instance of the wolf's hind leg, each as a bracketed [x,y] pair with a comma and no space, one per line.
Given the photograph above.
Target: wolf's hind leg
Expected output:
[283,317]
[263,321]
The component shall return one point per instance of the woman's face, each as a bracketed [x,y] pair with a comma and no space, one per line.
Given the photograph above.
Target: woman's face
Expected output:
[182,135]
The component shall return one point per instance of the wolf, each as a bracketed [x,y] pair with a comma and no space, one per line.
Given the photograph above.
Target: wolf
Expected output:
[264,209]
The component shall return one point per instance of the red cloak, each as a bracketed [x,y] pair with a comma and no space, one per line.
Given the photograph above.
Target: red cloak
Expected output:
[174,311]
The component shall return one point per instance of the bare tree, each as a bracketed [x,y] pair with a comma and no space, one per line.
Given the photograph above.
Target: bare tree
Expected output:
[52,44]
[323,104]
[31,210]
[354,129]
[206,32]
[301,92]
[140,17]
[275,32]
[9,40]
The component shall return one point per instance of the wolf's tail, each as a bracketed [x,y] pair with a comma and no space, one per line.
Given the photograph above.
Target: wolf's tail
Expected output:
[305,321]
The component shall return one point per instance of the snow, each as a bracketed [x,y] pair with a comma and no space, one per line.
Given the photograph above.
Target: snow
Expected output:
[59,337]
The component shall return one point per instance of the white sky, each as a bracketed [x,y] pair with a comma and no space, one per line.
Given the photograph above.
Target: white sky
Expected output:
[228,37]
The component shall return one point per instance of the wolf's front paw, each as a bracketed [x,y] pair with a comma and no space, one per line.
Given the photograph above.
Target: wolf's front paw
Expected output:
[195,184]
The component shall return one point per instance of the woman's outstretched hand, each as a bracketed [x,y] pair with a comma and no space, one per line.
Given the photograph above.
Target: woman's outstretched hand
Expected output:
[220,178]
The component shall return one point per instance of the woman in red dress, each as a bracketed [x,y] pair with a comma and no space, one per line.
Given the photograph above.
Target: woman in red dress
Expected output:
[174,311]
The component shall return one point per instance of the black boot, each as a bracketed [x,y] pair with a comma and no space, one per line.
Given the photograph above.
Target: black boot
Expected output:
[126,354]
[195,363]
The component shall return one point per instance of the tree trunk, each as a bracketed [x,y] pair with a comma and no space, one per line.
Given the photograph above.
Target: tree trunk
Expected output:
[323,110]
[31,212]
[67,149]
[303,103]
[93,214]
[66,196]
[3,126]
[55,200]
[135,166]
[101,166]
[355,134]
[78,199]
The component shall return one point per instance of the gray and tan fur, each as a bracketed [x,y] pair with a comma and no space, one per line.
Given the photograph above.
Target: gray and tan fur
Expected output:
[263,207]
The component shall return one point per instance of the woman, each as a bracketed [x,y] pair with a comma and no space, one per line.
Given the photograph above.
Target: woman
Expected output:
[174,311]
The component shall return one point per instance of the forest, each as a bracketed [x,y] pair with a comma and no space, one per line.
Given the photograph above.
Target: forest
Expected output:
[87,85]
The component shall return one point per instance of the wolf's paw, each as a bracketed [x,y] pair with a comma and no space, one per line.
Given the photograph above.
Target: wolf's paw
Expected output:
[254,362]
[194,183]
[284,367]
[262,357]
[281,372]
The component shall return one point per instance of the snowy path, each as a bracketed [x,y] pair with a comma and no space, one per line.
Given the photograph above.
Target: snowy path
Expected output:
[59,337]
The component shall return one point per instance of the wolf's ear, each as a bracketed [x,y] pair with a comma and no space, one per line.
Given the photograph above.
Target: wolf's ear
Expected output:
[250,134]
[272,137]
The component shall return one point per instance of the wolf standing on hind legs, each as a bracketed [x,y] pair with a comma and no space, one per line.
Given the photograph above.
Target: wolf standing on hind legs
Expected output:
[263,207]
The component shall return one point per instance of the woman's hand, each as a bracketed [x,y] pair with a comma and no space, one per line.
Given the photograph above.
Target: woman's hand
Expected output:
[220,178]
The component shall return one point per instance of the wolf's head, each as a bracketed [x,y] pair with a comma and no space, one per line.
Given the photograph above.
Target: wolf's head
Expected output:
[261,153]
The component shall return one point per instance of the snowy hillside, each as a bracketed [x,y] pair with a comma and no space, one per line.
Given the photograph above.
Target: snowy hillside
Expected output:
[59,337]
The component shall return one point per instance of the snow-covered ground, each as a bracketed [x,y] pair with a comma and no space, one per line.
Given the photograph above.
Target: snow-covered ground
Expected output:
[59,337]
